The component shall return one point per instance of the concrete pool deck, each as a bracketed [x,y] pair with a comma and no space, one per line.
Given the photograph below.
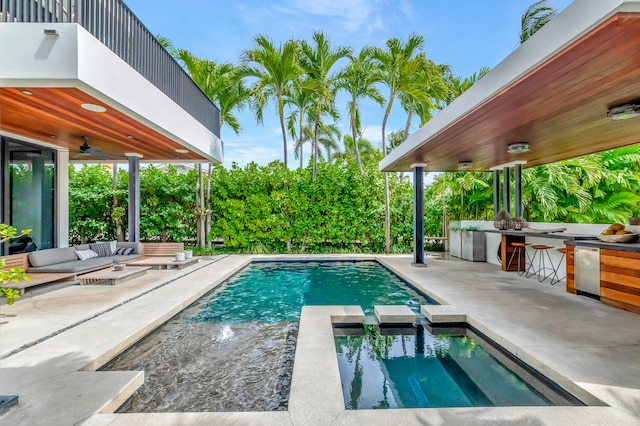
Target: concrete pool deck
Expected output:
[52,343]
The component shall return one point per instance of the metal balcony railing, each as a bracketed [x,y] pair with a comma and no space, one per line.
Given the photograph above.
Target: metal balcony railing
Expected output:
[113,23]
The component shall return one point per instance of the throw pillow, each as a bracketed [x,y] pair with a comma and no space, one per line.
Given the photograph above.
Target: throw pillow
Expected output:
[86,254]
[103,249]
[123,251]
[112,244]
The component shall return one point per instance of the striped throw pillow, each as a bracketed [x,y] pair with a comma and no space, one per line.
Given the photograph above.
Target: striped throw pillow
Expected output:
[123,251]
[103,249]
[86,254]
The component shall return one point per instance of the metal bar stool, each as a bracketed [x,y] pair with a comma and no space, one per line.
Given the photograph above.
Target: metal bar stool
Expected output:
[517,252]
[555,280]
[541,249]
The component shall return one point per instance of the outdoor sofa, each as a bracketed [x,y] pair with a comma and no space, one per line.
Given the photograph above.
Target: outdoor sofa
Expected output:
[65,259]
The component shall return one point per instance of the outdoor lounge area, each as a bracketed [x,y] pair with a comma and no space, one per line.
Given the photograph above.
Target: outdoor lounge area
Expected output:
[582,345]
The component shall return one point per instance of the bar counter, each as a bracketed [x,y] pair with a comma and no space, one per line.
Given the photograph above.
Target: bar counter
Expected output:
[619,264]
[511,236]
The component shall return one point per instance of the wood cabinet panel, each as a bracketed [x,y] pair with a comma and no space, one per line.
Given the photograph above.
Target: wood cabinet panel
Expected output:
[570,264]
[620,279]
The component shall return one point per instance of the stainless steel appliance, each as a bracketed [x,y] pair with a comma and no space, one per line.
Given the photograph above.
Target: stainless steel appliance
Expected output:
[587,270]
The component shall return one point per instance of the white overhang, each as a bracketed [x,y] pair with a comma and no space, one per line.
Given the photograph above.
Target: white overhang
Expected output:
[73,66]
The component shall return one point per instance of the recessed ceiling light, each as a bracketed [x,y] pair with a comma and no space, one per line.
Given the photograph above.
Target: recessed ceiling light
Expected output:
[94,107]
[518,148]
[624,112]
[182,151]
[26,92]
[464,165]
[130,137]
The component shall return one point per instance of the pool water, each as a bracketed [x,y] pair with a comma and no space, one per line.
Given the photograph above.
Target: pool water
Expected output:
[233,349]
[417,369]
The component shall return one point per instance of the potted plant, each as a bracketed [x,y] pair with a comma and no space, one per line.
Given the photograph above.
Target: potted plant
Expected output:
[180,256]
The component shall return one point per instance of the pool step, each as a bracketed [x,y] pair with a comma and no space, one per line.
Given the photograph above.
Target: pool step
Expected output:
[394,314]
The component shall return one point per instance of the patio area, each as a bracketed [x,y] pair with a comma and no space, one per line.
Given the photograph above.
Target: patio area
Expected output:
[52,344]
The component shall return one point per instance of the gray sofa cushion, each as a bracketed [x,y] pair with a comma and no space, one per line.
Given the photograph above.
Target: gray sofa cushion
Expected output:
[52,256]
[137,247]
[75,266]
[82,247]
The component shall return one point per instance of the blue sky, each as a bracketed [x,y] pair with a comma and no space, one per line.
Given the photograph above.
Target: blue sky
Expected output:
[465,34]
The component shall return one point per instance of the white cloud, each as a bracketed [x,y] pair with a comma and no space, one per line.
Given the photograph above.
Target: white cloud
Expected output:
[353,14]
[259,154]
[373,134]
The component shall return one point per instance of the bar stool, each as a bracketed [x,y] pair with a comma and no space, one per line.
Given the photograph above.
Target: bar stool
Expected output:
[555,278]
[542,250]
[520,247]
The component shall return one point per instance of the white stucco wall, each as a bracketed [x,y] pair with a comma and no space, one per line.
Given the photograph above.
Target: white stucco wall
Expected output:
[29,58]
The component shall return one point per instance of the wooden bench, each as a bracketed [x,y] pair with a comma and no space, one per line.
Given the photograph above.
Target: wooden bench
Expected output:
[22,261]
[161,249]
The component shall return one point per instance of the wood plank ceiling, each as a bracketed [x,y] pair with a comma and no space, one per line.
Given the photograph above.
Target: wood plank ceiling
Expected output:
[559,108]
[55,116]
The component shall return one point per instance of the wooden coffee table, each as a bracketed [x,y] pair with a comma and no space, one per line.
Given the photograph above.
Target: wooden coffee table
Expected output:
[113,277]
[164,262]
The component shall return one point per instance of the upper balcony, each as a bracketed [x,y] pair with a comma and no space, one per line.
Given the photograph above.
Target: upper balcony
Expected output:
[115,26]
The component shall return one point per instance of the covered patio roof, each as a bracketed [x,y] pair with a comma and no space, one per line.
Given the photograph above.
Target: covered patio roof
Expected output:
[553,92]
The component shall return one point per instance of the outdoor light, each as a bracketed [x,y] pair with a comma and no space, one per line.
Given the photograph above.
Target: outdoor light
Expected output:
[94,107]
[182,151]
[464,165]
[624,112]
[26,92]
[518,148]
[51,32]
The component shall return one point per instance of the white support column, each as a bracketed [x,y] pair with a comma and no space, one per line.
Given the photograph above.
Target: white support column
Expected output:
[62,199]
[133,210]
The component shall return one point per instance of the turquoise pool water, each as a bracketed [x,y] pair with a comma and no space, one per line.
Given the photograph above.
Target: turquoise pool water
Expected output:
[417,369]
[233,350]
[277,291]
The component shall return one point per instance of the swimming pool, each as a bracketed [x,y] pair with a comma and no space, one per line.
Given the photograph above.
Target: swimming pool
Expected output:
[433,368]
[233,350]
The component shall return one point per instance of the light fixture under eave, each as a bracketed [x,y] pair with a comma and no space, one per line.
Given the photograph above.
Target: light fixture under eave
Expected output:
[624,112]
[182,151]
[463,165]
[51,32]
[26,92]
[518,148]
[94,107]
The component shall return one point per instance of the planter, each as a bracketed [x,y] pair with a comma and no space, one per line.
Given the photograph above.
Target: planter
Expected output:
[455,243]
[473,246]
[188,254]
[180,256]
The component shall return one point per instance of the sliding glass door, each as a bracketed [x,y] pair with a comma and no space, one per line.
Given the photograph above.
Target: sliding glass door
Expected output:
[29,195]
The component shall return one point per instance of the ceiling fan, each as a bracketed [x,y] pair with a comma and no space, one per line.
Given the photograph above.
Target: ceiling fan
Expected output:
[95,152]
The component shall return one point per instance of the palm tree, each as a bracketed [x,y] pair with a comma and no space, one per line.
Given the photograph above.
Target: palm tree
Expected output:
[535,17]
[318,60]
[365,153]
[275,70]
[328,137]
[301,99]
[359,80]
[221,83]
[400,65]
[457,85]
